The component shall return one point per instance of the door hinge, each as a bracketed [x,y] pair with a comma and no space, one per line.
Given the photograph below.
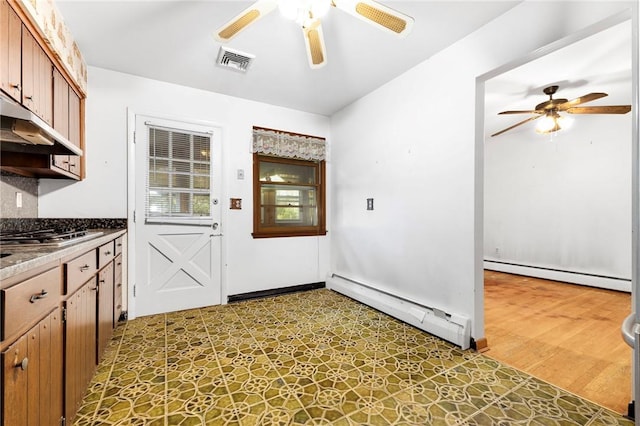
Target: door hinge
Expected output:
[64,318]
[134,136]
[63,421]
[134,290]
[134,216]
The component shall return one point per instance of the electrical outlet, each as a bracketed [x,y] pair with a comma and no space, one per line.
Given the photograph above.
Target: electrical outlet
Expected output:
[240,174]
[236,204]
[369,203]
[19,200]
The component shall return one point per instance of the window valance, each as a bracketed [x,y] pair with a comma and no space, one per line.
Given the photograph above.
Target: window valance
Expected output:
[288,145]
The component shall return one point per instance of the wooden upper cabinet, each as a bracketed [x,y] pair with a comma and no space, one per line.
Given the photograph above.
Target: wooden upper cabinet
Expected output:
[74,117]
[37,80]
[66,120]
[60,104]
[11,51]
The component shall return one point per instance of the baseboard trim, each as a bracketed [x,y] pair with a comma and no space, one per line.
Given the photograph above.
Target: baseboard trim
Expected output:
[591,280]
[274,292]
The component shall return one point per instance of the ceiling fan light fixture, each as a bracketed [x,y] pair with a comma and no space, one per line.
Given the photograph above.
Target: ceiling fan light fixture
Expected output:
[553,122]
[302,11]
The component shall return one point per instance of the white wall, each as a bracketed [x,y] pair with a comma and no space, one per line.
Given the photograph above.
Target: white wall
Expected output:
[411,146]
[251,265]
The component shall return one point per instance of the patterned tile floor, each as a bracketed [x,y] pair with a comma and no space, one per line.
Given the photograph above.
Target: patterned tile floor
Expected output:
[311,358]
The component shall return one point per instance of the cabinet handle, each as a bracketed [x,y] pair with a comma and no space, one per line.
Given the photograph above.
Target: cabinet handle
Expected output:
[107,253]
[119,285]
[119,244]
[38,296]
[101,281]
[24,364]
[16,86]
[29,97]
[94,289]
[84,268]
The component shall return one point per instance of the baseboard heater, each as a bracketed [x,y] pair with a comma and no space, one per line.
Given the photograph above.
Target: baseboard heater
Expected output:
[448,326]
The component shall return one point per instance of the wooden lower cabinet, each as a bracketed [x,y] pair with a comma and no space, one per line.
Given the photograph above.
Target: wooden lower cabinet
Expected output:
[80,345]
[32,375]
[105,308]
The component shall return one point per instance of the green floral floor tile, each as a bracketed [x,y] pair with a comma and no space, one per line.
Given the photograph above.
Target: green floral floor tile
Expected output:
[311,358]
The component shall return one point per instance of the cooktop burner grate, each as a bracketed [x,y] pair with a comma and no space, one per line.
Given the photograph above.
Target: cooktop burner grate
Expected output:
[48,237]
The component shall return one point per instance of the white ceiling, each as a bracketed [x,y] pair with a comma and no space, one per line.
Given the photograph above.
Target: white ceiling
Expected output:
[172,41]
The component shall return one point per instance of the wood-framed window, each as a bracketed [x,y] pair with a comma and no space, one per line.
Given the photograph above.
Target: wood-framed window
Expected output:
[288,197]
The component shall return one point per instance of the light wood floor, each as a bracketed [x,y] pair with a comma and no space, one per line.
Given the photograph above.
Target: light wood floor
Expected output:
[567,335]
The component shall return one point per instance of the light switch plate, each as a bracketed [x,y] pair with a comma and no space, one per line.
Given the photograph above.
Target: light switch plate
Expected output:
[369,203]
[236,204]
[240,174]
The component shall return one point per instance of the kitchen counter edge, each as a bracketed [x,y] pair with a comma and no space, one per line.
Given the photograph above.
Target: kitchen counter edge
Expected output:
[34,257]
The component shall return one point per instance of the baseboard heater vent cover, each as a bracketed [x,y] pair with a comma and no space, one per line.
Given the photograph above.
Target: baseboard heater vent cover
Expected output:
[451,327]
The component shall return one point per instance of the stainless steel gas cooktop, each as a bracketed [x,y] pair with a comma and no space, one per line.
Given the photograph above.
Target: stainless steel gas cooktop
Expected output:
[47,237]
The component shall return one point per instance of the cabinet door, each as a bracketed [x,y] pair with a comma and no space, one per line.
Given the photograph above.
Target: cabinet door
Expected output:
[105,307]
[60,104]
[14,376]
[32,388]
[74,130]
[45,80]
[29,70]
[80,344]
[11,51]
[56,360]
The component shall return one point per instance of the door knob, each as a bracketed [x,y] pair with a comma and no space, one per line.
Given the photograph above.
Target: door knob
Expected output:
[214,225]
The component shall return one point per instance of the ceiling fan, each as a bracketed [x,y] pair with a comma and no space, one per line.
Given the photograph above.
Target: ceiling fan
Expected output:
[307,14]
[550,110]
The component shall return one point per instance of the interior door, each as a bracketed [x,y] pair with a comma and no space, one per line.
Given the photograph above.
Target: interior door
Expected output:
[177,218]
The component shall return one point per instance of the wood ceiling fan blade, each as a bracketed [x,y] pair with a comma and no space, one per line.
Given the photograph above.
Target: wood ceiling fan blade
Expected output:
[581,100]
[604,109]
[516,125]
[314,42]
[244,19]
[378,14]
[531,111]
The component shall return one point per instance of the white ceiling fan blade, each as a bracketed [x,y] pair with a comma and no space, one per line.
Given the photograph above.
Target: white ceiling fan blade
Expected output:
[382,16]
[314,41]
[244,18]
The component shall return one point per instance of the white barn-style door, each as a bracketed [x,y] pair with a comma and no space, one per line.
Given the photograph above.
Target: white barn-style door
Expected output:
[177,219]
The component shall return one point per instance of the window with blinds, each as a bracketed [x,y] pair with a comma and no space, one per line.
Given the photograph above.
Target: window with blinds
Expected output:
[178,179]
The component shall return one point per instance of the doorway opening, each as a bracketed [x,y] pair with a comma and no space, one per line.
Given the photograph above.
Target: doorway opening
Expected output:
[558,210]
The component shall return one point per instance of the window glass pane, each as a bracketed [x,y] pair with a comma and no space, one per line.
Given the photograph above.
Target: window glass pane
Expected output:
[181,181]
[201,168]
[158,143]
[158,203]
[201,149]
[289,173]
[201,205]
[178,174]
[201,182]
[181,166]
[180,146]
[158,179]
[288,205]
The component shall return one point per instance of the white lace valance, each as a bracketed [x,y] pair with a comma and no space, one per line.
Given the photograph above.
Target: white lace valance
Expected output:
[283,144]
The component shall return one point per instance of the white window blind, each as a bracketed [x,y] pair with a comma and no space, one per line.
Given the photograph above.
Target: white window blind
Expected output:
[179,175]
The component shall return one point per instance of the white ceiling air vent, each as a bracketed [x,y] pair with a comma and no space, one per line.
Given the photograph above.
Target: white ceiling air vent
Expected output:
[234,59]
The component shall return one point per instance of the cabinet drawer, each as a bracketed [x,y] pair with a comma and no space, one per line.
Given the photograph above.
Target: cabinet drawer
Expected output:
[28,301]
[106,253]
[79,271]
[119,243]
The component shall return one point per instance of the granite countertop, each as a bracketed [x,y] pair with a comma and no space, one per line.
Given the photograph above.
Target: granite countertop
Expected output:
[21,259]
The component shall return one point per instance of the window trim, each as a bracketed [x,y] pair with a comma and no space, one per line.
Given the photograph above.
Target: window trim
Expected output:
[288,231]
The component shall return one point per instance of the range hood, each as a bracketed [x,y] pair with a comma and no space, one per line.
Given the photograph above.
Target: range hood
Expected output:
[23,131]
